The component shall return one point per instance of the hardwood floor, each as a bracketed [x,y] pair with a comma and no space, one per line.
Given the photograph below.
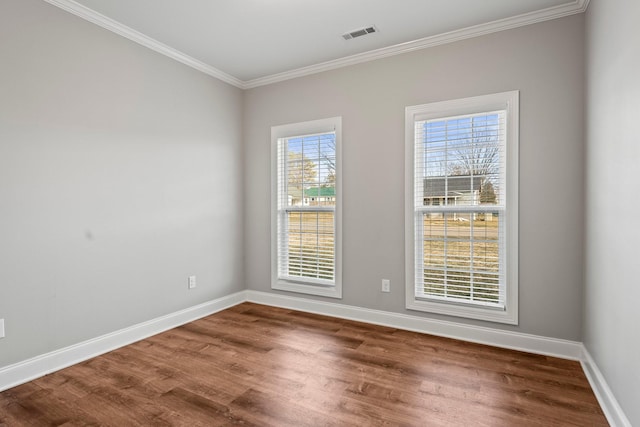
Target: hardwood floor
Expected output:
[264,366]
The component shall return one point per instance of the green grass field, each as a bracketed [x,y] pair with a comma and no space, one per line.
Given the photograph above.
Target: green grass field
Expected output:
[461,257]
[465,265]
[311,244]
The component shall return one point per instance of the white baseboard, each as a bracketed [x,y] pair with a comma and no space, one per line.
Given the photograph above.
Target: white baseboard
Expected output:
[564,349]
[608,402]
[22,372]
[499,338]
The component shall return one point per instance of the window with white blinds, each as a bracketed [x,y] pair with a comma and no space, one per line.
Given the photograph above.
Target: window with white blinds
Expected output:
[462,202]
[305,207]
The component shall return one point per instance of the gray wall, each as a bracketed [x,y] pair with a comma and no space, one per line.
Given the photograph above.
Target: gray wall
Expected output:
[120,175]
[612,266]
[544,61]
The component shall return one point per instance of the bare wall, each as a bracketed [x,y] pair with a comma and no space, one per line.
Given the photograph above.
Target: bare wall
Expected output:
[120,175]
[611,315]
[543,61]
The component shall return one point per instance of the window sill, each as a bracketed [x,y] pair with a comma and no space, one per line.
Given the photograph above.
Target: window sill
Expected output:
[488,314]
[309,289]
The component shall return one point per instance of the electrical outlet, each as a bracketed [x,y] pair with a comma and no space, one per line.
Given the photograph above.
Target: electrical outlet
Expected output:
[192,282]
[386,285]
[1,328]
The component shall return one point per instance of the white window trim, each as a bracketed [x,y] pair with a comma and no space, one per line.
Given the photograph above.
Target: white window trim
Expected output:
[333,124]
[508,101]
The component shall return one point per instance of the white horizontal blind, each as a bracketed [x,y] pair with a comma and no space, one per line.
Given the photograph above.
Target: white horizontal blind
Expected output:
[306,203]
[459,209]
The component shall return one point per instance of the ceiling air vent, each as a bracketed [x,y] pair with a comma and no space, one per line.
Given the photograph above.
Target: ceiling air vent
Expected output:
[359,32]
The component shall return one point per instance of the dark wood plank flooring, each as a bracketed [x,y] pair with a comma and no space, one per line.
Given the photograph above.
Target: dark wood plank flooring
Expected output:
[265,366]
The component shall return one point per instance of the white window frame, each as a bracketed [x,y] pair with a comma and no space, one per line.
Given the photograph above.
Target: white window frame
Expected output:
[301,285]
[508,101]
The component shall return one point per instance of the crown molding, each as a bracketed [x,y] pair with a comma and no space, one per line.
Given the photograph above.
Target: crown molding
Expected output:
[146,41]
[575,7]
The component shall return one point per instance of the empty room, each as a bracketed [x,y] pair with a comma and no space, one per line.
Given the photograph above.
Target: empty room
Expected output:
[314,213]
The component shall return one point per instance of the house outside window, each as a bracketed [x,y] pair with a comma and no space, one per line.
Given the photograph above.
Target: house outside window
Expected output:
[461,207]
[306,207]
[324,195]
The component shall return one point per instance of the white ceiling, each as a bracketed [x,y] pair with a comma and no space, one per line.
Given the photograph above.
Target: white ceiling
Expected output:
[247,42]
